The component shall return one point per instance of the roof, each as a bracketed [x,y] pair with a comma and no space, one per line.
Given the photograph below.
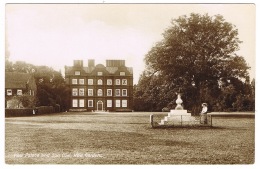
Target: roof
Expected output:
[15,80]
[88,70]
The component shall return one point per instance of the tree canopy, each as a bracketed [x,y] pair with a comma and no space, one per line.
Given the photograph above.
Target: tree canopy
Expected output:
[196,57]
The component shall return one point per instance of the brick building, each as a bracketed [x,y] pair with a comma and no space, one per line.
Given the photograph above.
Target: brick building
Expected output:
[18,84]
[99,87]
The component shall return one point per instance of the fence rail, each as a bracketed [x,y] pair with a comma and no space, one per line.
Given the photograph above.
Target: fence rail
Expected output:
[160,120]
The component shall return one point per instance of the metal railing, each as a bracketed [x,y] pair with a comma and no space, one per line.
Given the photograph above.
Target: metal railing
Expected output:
[160,120]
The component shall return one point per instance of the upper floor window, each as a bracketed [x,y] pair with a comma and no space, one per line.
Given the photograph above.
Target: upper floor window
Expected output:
[74,81]
[100,82]
[124,92]
[99,73]
[81,92]
[82,81]
[117,92]
[77,72]
[74,92]
[124,81]
[117,81]
[9,92]
[90,81]
[122,73]
[19,92]
[90,92]
[109,92]
[100,92]
[109,81]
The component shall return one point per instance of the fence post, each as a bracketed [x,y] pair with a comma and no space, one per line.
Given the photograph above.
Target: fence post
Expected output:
[151,119]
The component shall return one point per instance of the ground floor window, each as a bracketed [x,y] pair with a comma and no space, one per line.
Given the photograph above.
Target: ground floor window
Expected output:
[90,103]
[75,103]
[109,103]
[117,103]
[81,103]
[19,92]
[9,92]
[124,103]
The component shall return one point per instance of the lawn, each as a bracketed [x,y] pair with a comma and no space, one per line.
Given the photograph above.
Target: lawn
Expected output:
[125,138]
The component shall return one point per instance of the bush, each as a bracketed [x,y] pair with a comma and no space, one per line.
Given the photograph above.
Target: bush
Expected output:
[45,110]
[165,109]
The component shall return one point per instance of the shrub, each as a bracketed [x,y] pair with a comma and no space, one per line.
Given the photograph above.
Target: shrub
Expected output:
[45,110]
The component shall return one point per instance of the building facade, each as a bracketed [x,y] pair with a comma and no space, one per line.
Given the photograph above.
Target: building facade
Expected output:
[18,84]
[100,88]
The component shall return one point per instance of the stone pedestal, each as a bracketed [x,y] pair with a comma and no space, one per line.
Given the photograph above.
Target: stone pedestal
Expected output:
[177,117]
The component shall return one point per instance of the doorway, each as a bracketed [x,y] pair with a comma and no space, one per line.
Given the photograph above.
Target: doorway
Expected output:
[100,106]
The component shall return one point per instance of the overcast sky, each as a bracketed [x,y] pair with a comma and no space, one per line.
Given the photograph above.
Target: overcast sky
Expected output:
[56,34]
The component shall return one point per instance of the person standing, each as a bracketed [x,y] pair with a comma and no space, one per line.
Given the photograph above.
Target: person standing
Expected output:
[204,113]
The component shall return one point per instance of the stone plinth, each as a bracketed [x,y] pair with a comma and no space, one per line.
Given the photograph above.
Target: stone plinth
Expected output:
[177,117]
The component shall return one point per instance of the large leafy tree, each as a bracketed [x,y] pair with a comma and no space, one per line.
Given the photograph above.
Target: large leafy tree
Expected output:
[196,56]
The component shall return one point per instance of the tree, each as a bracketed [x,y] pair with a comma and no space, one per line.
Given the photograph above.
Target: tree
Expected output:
[197,54]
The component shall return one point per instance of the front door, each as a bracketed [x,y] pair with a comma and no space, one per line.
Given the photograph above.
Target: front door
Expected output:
[99,105]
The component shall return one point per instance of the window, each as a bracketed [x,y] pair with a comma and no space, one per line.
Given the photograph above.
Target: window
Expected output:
[99,73]
[99,92]
[74,81]
[90,92]
[124,103]
[75,103]
[99,82]
[81,103]
[109,92]
[117,92]
[30,92]
[124,81]
[19,92]
[74,92]
[77,72]
[81,92]
[109,81]
[122,73]
[9,92]
[124,92]
[82,81]
[109,103]
[90,103]
[90,81]
[117,103]
[117,81]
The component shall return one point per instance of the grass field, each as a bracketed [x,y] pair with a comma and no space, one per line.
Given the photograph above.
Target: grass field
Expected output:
[125,138]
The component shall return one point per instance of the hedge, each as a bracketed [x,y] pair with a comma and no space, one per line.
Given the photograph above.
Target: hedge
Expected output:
[18,112]
[29,111]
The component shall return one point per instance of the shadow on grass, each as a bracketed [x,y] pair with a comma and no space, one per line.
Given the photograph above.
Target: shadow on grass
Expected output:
[189,127]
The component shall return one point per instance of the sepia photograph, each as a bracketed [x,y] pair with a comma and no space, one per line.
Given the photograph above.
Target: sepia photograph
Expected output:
[130,83]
